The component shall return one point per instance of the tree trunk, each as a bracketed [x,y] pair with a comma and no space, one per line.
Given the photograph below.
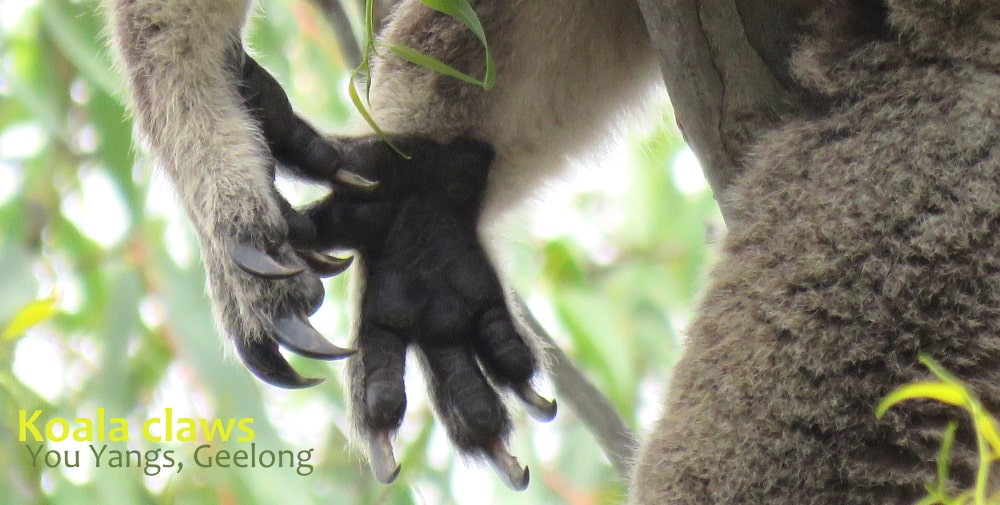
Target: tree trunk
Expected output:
[725,64]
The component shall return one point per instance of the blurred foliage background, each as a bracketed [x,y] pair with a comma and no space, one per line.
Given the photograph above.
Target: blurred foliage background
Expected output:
[609,260]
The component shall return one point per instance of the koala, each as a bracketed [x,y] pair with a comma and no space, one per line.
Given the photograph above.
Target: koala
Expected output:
[219,124]
[860,238]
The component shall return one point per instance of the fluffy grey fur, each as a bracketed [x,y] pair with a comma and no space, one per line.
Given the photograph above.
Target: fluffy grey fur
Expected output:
[191,117]
[864,238]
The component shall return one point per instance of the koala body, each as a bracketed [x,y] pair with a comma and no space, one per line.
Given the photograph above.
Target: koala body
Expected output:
[860,239]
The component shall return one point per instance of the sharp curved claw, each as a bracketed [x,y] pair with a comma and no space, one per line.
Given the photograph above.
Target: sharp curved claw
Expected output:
[297,335]
[256,262]
[355,180]
[325,265]
[507,466]
[267,364]
[381,458]
[538,407]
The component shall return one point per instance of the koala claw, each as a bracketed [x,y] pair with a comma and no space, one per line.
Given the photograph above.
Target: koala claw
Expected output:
[257,262]
[510,470]
[537,407]
[355,180]
[325,265]
[382,460]
[297,335]
[262,358]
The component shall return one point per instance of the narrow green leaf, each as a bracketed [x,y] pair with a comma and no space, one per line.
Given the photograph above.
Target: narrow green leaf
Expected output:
[951,394]
[463,12]
[28,316]
[358,104]
[414,56]
[944,457]
[938,370]
[987,427]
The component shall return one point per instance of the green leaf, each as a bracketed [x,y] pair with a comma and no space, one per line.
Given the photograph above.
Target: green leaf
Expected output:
[28,316]
[458,9]
[463,12]
[416,57]
[944,456]
[352,90]
[952,394]
[987,427]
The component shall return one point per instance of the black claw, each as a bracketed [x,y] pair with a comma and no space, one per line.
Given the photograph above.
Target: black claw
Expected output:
[511,472]
[538,407]
[325,265]
[381,458]
[355,180]
[256,262]
[267,364]
[297,335]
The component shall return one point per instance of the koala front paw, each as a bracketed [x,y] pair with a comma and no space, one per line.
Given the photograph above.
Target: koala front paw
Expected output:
[428,283]
[265,289]
[264,281]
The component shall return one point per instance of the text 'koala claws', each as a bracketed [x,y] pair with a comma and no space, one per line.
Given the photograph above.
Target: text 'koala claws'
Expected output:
[262,358]
[510,470]
[257,262]
[381,458]
[325,265]
[538,407]
[295,333]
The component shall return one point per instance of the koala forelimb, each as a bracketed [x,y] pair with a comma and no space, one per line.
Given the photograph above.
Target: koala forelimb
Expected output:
[217,122]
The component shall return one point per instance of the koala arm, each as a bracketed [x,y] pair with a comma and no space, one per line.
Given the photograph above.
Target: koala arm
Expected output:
[182,59]
[216,122]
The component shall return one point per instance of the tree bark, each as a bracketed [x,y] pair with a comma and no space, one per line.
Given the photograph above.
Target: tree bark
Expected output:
[725,65]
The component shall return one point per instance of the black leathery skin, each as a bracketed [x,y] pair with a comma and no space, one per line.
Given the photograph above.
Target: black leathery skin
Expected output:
[428,282]
[382,355]
[292,141]
[468,406]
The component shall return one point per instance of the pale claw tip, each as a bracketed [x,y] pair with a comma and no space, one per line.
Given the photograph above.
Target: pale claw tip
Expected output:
[325,265]
[510,470]
[257,262]
[297,335]
[538,407]
[381,458]
[355,180]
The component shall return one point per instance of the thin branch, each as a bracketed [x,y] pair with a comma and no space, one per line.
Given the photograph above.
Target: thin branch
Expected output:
[336,16]
[613,435]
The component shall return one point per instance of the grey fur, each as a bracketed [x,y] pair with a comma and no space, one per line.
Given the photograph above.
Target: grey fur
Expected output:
[190,116]
[863,238]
